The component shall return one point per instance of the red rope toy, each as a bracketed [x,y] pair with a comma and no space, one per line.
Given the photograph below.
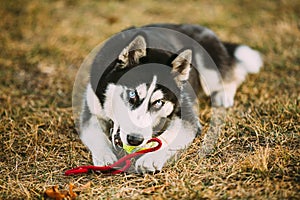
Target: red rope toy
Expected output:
[118,167]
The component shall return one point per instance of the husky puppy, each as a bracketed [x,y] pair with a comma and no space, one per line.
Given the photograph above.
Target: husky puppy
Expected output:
[147,92]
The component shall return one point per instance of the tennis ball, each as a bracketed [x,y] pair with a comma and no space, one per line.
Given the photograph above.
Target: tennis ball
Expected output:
[131,149]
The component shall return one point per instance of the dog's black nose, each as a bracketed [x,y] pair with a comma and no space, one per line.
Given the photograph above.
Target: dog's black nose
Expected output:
[135,139]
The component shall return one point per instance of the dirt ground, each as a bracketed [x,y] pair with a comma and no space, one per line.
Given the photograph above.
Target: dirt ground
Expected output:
[42,45]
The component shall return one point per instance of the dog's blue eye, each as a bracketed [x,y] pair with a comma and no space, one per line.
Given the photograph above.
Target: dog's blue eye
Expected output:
[133,98]
[158,104]
[132,94]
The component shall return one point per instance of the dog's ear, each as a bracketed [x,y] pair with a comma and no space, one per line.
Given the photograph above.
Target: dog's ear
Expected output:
[181,66]
[133,52]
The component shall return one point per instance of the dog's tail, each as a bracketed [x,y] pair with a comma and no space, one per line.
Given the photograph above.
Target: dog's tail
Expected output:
[244,56]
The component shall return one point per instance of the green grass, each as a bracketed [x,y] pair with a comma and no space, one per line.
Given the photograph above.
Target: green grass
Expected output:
[43,44]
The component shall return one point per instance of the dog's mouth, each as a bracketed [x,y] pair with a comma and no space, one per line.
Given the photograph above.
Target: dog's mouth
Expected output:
[157,130]
[118,143]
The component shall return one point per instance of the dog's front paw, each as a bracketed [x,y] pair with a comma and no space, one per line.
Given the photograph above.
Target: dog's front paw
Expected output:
[104,158]
[151,162]
[224,97]
[221,98]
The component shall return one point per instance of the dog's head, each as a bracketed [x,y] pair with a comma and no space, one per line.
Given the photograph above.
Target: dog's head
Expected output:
[143,90]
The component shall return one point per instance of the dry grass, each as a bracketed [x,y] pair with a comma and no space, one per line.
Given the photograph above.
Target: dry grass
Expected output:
[43,44]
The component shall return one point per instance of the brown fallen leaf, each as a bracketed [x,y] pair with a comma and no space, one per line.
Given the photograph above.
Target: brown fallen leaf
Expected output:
[54,193]
[72,194]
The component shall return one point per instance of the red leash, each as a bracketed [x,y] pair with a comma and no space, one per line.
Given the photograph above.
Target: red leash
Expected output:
[118,167]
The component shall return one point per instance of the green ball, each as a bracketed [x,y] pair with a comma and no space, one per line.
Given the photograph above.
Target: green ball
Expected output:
[130,149]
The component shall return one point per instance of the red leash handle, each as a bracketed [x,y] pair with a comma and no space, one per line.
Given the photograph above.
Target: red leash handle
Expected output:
[123,164]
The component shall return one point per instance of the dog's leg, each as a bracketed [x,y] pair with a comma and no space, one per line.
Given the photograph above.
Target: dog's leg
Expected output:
[178,137]
[225,96]
[91,132]
[244,60]
[97,142]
